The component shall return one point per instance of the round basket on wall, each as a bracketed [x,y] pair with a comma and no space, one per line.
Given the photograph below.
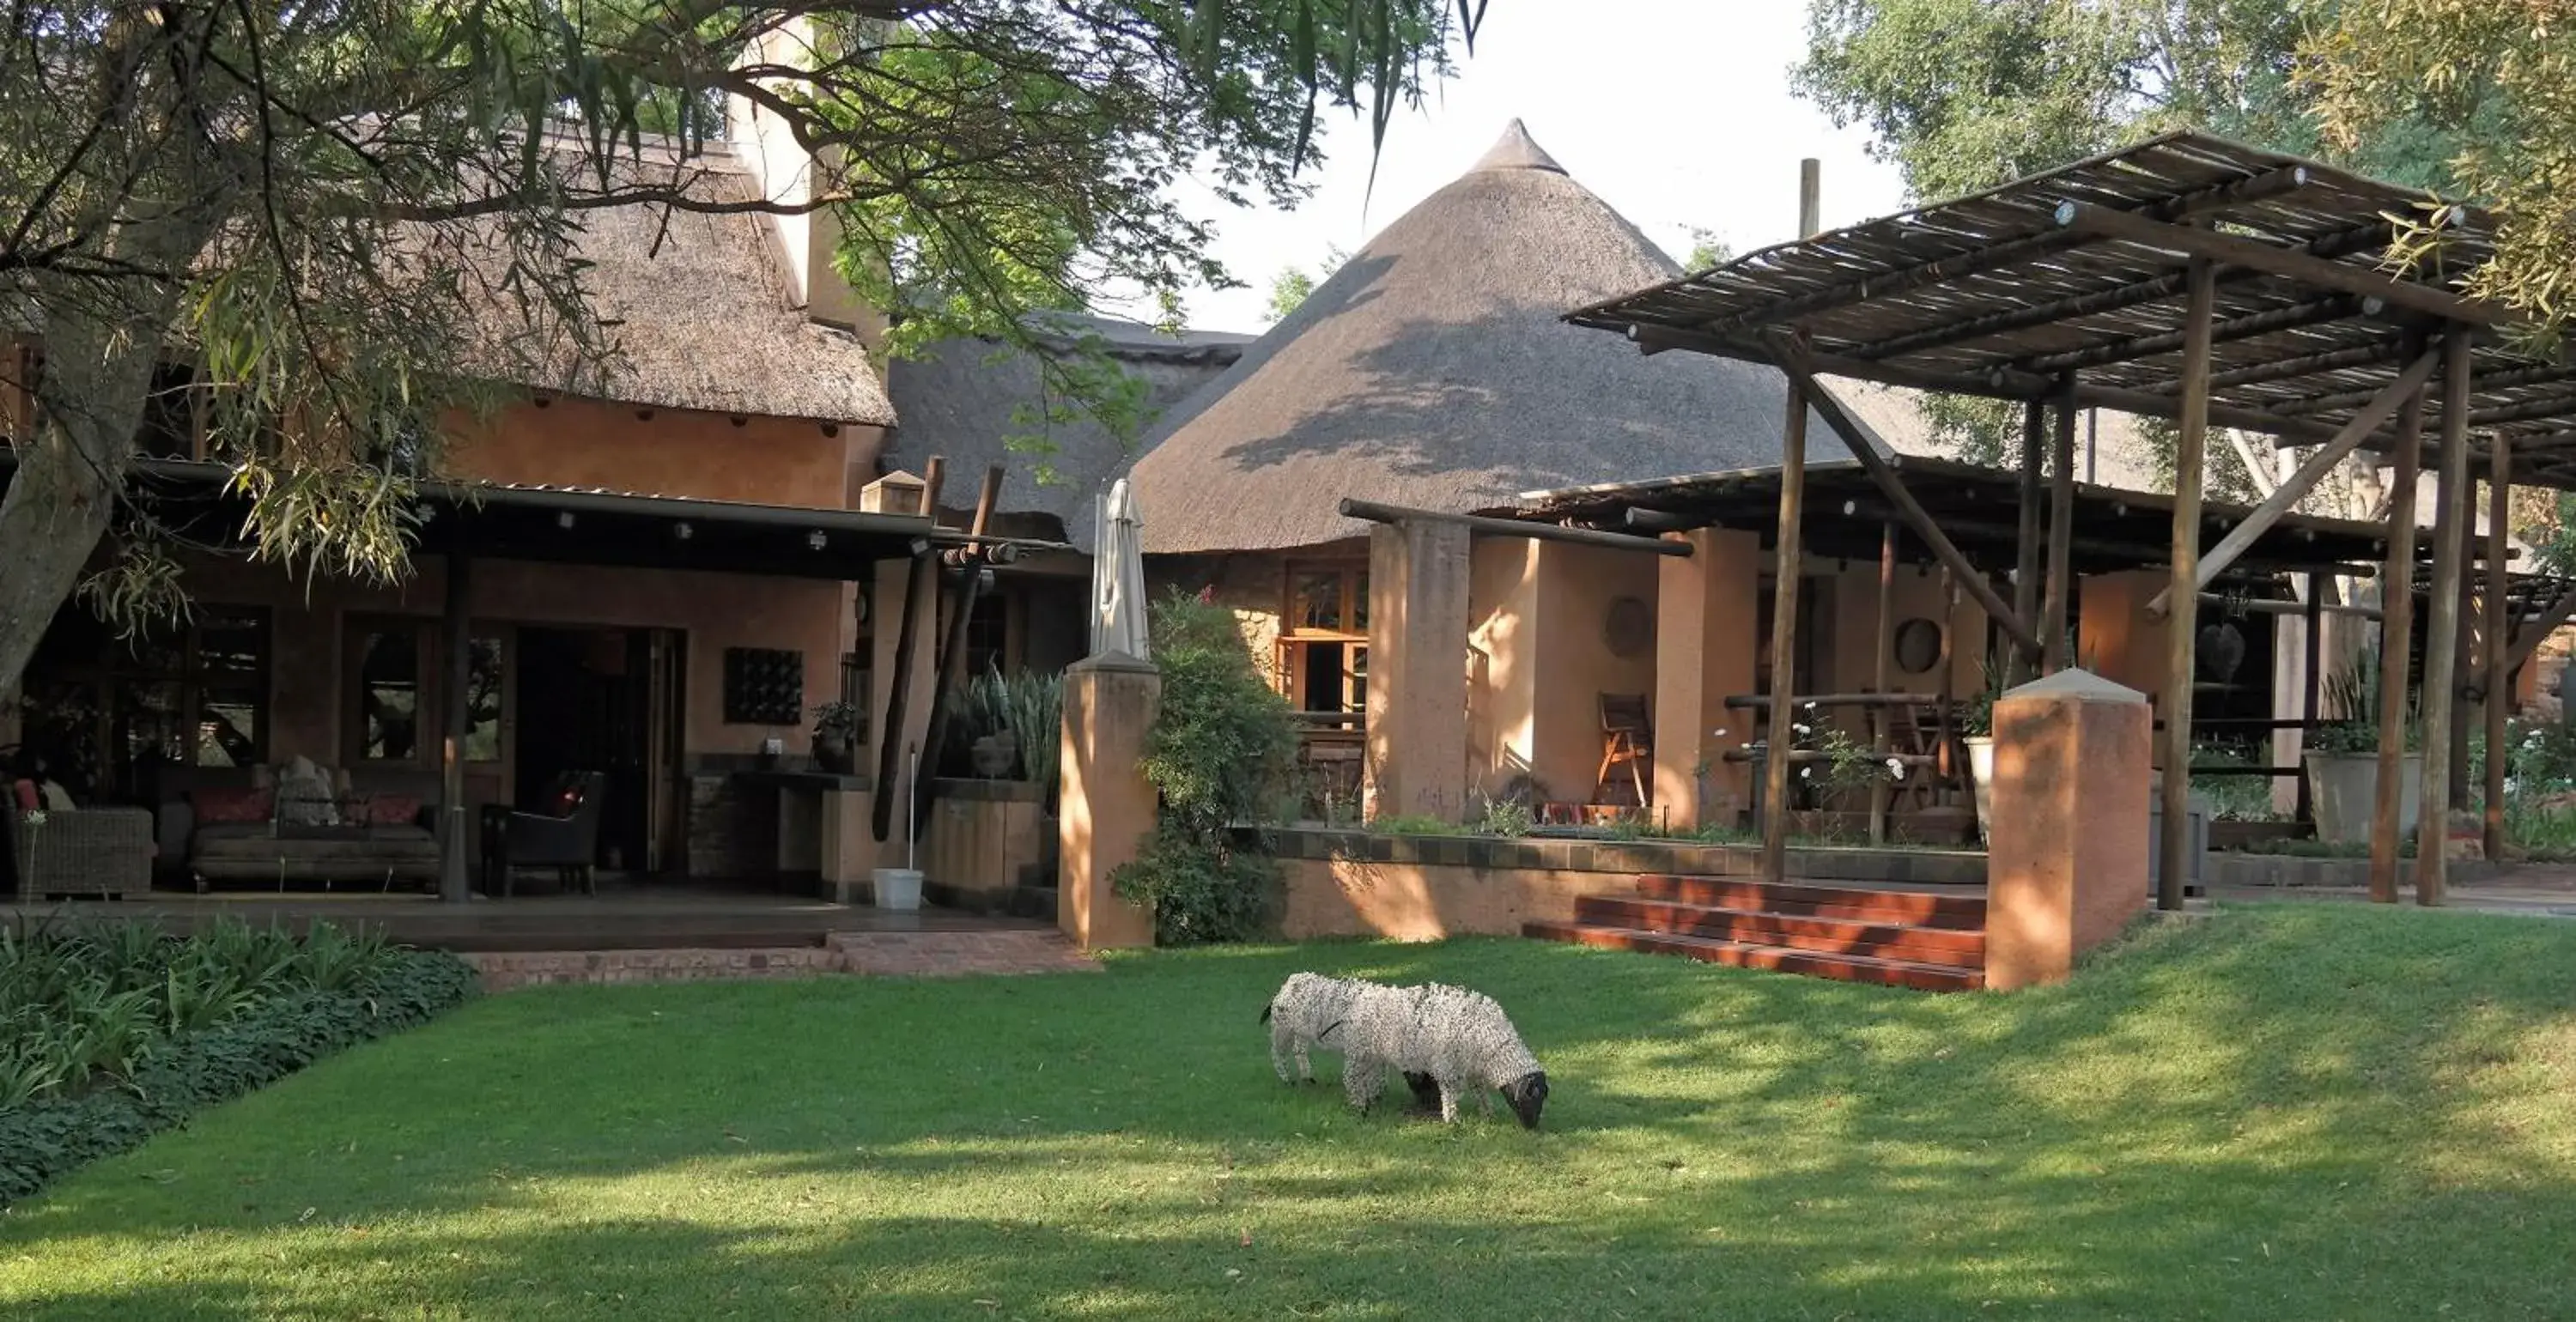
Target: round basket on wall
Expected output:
[1918,645]
[1629,629]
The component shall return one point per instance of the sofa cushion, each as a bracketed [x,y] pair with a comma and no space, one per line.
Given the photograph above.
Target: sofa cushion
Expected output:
[390,810]
[22,793]
[232,806]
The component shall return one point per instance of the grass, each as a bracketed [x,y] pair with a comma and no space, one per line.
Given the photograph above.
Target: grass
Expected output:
[2296,1111]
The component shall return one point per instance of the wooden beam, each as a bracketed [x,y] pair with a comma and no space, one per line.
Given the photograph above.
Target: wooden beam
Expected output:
[1373,512]
[1884,635]
[2299,365]
[2536,629]
[1786,568]
[2316,311]
[2029,549]
[919,588]
[951,661]
[1792,360]
[2154,289]
[2013,385]
[2061,535]
[2441,639]
[2174,786]
[2396,633]
[2297,486]
[2543,374]
[2499,695]
[1956,266]
[455,816]
[2287,263]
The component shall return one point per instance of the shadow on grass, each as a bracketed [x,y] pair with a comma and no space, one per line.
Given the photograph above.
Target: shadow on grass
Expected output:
[2288,1112]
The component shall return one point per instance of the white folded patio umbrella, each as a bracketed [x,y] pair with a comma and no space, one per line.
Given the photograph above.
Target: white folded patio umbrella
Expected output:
[1118,576]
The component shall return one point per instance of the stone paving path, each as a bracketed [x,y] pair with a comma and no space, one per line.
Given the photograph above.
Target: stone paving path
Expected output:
[871,954]
[2541,890]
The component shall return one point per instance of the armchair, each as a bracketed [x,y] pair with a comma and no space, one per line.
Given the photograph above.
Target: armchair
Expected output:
[565,839]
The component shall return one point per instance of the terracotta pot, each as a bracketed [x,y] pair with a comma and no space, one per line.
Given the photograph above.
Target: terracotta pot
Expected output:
[833,753]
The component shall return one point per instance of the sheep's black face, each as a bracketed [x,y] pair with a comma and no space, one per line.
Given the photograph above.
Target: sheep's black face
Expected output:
[1527,1094]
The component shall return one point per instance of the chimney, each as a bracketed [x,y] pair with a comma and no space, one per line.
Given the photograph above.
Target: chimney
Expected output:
[786,174]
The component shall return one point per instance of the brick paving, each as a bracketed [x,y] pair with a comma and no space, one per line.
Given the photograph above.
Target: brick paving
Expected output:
[868,954]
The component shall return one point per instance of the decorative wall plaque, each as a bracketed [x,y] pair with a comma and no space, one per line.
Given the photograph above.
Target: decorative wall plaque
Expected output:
[1630,628]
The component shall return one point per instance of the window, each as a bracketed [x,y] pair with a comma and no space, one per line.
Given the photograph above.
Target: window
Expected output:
[484,677]
[107,713]
[988,635]
[389,694]
[1323,641]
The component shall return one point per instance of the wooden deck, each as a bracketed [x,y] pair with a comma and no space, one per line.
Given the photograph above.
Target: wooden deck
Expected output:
[623,916]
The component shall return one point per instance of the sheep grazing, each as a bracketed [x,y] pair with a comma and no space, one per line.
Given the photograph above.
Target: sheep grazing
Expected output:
[1457,1041]
[1306,1007]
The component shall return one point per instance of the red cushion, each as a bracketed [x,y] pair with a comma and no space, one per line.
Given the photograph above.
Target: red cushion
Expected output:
[393,810]
[24,792]
[233,806]
[568,802]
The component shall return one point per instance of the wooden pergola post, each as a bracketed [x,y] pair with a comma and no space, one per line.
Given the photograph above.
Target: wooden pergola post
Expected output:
[1784,590]
[455,818]
[1786,566]
[1882,793]
[2441,639]
[2464,658]
[2029,544]
[2053,645]
[2498,648]
[2174,839]
[2314,648]
[2396,646]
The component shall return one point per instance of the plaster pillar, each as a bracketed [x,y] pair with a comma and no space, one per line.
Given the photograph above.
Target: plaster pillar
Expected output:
[1419,572]
[1105,807]
[2113,636]
[2066,857]
[1707,615]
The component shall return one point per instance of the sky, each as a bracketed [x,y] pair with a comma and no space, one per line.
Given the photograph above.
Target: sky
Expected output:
[1677,113]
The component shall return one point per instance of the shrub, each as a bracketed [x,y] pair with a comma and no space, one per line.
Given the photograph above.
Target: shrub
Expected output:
[110,1035]
[1219,755]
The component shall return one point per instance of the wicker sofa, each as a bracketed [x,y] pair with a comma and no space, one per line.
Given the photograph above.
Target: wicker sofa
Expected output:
[364,846]
[80,851]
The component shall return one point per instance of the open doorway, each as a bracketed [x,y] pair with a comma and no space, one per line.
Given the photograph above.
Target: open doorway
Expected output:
[602,700]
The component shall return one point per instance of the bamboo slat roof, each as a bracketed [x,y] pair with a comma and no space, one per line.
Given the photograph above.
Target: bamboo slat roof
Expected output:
[1975,505]
[2082,270]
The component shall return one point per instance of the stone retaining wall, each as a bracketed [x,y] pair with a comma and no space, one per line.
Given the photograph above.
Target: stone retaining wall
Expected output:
[873,954]
[1421,888]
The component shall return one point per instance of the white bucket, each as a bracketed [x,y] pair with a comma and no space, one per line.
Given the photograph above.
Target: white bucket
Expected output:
[897,888]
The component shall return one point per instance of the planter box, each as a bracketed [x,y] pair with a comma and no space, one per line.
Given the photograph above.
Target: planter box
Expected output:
[2345,789]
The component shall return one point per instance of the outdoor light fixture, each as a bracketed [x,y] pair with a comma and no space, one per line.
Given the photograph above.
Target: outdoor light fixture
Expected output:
[563,518]
[1850,507]
[815,539]
[684,532]
[920,546]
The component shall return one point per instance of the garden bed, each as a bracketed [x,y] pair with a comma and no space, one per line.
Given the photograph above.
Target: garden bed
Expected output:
[111,1034]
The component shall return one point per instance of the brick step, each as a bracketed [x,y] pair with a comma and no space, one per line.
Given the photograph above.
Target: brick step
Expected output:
[1843,968]
[1963,910]
[1834,936]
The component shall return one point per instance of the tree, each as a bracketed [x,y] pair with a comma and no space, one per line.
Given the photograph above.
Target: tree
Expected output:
[1293,284]
[318,207]
[2025,85]
[1707,250]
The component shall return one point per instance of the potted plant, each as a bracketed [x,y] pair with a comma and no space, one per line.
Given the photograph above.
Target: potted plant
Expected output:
[2342,759]
[836,737]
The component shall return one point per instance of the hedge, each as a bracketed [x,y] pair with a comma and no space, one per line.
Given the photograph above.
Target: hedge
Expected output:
[44,1140]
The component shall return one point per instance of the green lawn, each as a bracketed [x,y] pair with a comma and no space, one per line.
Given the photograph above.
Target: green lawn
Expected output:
[2303,1111]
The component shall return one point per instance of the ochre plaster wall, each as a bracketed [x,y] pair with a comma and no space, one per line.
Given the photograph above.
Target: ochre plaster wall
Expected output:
[1502,610]
[1575,665]
[572,442]
[1423,902]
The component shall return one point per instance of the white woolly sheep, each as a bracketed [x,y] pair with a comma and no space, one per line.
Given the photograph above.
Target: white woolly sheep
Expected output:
[1444,1039]
[1306,1007]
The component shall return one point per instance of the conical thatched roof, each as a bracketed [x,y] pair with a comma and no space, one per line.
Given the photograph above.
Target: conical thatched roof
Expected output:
[1432,371]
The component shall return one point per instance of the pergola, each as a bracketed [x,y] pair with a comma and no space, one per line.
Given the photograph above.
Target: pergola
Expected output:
[2187,278]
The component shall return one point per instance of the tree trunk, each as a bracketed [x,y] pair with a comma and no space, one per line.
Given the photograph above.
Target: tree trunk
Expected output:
[91,396]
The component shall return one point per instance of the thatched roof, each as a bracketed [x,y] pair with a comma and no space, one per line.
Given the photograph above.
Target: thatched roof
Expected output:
[1433,370]
[700,310]
[963,399]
